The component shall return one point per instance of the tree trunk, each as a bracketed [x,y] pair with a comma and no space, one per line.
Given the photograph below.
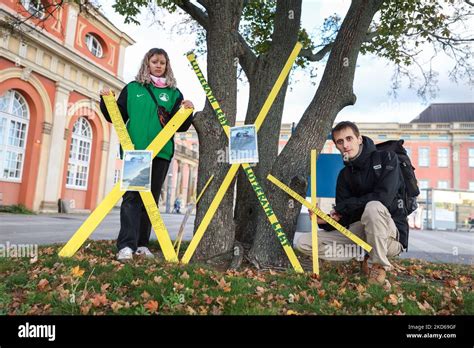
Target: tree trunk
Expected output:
[223,22]
[261,80]
[292,166]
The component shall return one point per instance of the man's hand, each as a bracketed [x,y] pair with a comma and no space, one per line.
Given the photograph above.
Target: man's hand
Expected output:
[319,220]
[335,215]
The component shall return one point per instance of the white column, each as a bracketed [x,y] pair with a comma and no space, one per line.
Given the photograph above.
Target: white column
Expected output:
[71,25]
[121,60]
[58,148]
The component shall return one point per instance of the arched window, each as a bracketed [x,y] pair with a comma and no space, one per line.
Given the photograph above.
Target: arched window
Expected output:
[14,119]
[94,45]
[34,7]
[79,155]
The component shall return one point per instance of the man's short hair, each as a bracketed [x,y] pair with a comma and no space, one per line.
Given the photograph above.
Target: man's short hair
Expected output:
[343,125]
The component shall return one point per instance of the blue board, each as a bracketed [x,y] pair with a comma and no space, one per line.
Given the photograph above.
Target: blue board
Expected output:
[327,170]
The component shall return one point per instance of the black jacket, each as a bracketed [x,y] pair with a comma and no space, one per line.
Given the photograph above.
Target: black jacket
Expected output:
[358,184]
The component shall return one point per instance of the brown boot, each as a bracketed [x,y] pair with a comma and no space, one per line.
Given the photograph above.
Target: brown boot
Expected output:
[364,266]
[377,275]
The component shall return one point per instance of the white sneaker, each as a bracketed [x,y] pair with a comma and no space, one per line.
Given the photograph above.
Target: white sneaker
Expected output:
[125,254]
[145,252]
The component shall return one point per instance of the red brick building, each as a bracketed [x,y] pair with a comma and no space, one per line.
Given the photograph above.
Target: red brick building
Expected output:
[53,142]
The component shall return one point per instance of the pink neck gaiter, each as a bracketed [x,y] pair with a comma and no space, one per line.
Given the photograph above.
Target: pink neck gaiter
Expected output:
[158,81]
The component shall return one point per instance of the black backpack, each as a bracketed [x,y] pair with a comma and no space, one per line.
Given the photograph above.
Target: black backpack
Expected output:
[408,171]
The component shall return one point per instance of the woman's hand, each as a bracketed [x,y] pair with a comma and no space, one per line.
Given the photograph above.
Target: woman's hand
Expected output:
[105,91]
[187,104]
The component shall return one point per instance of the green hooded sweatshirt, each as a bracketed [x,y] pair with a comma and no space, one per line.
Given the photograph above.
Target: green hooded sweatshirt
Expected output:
[140,114]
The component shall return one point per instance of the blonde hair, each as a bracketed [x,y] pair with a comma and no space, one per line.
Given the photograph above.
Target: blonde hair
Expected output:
[143,75]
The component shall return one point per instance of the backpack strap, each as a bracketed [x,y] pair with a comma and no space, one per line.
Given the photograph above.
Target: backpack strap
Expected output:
[152,95]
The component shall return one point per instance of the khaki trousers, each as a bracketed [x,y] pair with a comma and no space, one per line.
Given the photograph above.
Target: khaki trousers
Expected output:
[376,227]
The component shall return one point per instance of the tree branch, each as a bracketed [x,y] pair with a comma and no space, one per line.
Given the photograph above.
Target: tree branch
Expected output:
[247,58]
[316,57]
[195,12]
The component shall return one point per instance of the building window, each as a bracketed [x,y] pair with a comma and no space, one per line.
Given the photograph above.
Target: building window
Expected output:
[382,136]
[471,186]
[423,185]
[442,184]
[405,136]
[424,136]
[443,136]
[424,157]
[94,45]
[471,157]
[443,157]
[14,120]
[79,155]
[34,7]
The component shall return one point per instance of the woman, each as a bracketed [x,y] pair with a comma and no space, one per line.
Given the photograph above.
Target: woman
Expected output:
[146,105]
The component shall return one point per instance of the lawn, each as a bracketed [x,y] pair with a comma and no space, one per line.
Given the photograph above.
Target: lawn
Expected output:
[94,283]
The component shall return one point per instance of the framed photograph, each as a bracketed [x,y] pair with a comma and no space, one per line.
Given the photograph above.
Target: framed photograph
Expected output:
[136,170]
[243,145]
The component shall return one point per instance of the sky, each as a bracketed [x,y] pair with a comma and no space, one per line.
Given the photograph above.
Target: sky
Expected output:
[372,84]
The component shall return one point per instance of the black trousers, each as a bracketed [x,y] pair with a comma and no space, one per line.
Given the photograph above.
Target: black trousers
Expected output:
[135,226]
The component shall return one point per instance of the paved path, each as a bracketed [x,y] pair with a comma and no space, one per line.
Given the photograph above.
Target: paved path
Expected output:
[438,246]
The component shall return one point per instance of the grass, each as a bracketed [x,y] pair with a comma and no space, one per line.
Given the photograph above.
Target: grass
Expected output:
[16,209]
[93,282]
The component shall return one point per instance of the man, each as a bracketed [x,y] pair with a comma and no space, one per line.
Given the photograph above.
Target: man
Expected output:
[369,204]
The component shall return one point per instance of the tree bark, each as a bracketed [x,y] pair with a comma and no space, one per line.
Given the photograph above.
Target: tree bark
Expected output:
[292,166]
[262,77]
[223,21]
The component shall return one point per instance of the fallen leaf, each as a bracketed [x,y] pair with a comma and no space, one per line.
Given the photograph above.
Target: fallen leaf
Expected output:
[137,282]
[99,300]
[190,310]
[216,310]
[104,287]
[185,275]
[291,312]
[77,272]
[42,284]
[452,283]
[145,295]
[436,275]
[158,279]
[335,303]
[225,286]
[177,286]
[85,309]
[392,299]
[151,306]
[200,271]
[424,306]
[116,306]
